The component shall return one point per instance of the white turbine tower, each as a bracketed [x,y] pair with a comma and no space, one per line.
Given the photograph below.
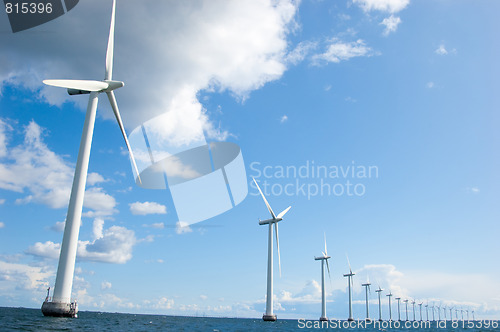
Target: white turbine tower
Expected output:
[420,307]
[367,290]
[406,306]
[379,290]
[61,304]
[451,312]
[390,310]
[473,318]
[427,311]
[433,319]
[399,311]
[269,316]
[323,259]
[351,285]
[413,304]
[439,312]
[444,312]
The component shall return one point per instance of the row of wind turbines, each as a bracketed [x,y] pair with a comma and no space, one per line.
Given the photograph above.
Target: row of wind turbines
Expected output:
[270,316]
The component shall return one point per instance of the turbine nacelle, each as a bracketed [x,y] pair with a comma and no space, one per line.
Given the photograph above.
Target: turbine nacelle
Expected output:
[322,258]
[269,221]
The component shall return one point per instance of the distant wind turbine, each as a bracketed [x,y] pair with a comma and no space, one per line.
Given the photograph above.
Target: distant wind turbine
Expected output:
[413,304]
[444,312]
[473,318]
[390,310]
[439,312]
[350,284]
[433,319]
[467,313]
[406,306]
[399,311]
[379,290]
[61,304]
[269,316]
[451,313]
[420,307]
[462,311]
[367,289]
[323,259]
[427,311]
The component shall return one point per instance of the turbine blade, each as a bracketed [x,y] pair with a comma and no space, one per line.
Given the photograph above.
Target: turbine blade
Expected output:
[329,276]
[326,251]
[114,106]
[265,200]
[278,246]
[85,85]
[282,213]
[349,263]
[111,42]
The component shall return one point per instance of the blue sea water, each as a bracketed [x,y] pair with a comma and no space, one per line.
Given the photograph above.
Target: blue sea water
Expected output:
[23,319]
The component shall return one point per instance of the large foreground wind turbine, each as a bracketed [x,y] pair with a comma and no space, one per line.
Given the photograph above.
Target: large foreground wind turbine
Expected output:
[323,259]
[351,285]
[269,316]
[61,304]
[367,289]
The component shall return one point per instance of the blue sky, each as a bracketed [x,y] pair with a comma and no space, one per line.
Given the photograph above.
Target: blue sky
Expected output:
[408,88]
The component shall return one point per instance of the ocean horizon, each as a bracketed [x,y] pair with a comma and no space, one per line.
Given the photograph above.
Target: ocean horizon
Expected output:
[29,319]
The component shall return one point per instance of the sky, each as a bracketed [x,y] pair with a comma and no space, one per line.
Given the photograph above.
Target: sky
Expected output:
[376,120]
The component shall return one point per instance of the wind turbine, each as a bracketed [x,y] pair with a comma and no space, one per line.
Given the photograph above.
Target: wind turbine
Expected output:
[456,312]
[406,306]
[399,312]
[427,311]
[473,318]
[467,314]
[61,304]
[451,313]
[367,289]
[420,307]
[444,312]
[439,312]
[413,304]
[390,311]
[269,316]
[379,290]
[323,259]
[433,319]
[350,284]
[462,311]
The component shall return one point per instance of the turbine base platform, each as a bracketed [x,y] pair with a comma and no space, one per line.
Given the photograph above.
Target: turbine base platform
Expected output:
[269,318]
[60,309]
[323,319]
[350,319]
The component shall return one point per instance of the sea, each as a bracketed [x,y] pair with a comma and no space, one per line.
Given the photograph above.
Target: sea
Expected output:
[24,319]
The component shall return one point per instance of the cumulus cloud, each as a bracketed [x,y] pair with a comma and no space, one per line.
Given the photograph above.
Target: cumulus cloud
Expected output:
[2,225]
[338,50]
[389,6]
[157,225]
[94,178]
[111,245]
[25,276]
[43,176]
[391,24]
[105,285]
[165,54]
[441,50]
[284,118]
[32,167]
[182,227]
[146,208]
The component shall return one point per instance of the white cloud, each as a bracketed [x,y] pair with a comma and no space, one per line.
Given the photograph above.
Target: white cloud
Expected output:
[300,52]
[94,178]
[284,118]
[182,227]
[101,203]
[34,168]
[105,285]
[391,24]
[112,245]
[441,50]
[474,190]
[157,225]
[430,85]
[48,249]
[58,226]
[25,276]
[190,46]
[203,297]
[146,208]
[390,6]
[339,51]
[2,225]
